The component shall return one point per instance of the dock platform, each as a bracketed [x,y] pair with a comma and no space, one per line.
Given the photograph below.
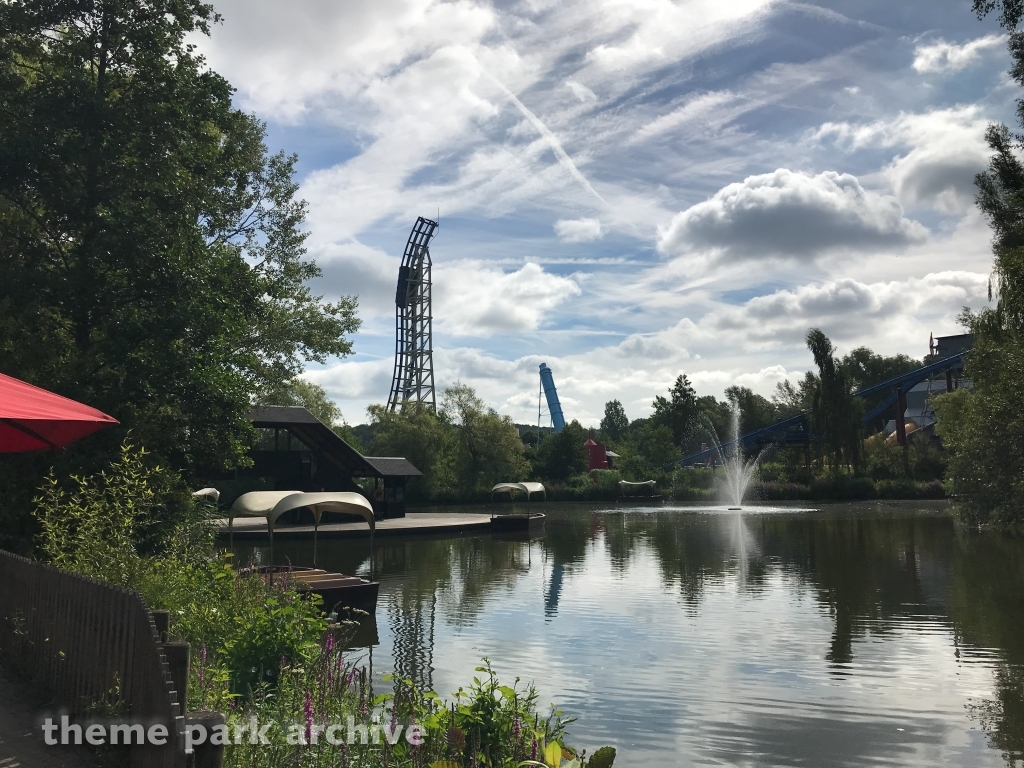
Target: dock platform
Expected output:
[255,528]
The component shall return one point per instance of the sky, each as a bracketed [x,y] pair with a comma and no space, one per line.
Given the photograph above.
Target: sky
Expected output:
[629,190]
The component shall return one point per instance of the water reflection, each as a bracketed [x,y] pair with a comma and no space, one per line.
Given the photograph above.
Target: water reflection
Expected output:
[864,634]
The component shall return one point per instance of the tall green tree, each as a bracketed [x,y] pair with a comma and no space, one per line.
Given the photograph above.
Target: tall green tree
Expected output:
[615,423]
[835,414]
[679,410]
[151,250]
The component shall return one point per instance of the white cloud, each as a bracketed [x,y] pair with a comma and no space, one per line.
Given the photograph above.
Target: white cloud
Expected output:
[946,150]
[578,230]
[475,299]
[847,309]
[941,56]
[699,107]
[581,92]
[662,30]
[502,113]
[790,215]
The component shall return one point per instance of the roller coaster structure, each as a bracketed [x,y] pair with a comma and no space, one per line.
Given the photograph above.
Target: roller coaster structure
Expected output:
[413,381]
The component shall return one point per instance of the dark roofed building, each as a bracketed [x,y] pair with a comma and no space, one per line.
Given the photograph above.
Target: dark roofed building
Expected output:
[295,450]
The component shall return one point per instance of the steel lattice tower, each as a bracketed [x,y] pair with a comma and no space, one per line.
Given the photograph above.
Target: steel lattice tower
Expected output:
[414,346]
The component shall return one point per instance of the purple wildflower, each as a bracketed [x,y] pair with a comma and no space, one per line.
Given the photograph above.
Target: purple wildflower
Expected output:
[202,661]
[344,755]
[533,750]
[517,728]
[329,643]
[308,709]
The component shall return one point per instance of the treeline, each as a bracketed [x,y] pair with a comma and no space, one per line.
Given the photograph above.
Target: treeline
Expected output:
[467,447]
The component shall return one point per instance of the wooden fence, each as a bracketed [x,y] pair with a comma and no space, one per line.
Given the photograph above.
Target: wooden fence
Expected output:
[86,643]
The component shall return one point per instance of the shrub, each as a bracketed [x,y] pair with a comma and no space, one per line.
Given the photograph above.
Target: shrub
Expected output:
[242,624]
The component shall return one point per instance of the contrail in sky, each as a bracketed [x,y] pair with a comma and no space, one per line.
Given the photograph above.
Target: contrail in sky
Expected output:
[556,146]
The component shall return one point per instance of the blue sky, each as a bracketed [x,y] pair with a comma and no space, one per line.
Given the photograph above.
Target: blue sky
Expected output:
[630,190]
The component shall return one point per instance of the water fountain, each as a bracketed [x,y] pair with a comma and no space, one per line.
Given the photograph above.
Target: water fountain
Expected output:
[739,471]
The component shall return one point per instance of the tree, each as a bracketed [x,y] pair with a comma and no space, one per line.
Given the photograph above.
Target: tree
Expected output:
[678,411]
[835,415]
[982,430]
[648,452]
[866,368]
[151,251]
[789,400]
[310,396]
[756,412]
[487,446]
[563,454]
[416,433]
[314,399]
[615,423]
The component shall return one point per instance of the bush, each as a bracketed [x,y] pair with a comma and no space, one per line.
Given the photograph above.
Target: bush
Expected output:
[487,725]
[242,625]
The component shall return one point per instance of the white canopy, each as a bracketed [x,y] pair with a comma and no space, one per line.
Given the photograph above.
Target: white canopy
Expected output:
[273,504]
[527,488]
[626,487]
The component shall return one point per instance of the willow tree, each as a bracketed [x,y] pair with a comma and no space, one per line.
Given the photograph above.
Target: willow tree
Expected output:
[151,249]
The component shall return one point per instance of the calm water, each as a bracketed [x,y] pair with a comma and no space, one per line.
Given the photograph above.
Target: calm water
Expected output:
[865,634]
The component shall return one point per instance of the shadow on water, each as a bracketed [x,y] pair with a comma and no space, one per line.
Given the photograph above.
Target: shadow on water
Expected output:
[858,634]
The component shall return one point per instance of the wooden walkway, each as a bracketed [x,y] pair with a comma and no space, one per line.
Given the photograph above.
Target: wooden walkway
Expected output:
[255,528]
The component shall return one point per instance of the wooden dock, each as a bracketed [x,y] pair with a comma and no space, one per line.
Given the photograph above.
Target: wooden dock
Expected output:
[414,523]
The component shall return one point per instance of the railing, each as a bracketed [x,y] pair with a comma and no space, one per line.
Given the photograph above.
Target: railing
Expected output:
[83,642]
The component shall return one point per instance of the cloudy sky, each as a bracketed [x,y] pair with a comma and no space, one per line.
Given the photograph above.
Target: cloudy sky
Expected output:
[631,189]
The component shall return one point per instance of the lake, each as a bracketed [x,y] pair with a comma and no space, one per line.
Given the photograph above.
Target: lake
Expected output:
[857,635]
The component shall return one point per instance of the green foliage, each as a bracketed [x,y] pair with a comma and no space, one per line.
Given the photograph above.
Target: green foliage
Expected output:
[615,423]
[310,396]
[647,453]
[602,758]
[694,484]
[416,433]
[982,433]
[151,251]
[244,625]
[92,528]
[489,725]
[678,411]
[462,452]
[982,430]
[712,414]
[835,414]
[563,454]
[756,412]
[487,446]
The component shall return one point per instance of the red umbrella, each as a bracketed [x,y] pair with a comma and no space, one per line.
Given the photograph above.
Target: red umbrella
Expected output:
[32,419]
